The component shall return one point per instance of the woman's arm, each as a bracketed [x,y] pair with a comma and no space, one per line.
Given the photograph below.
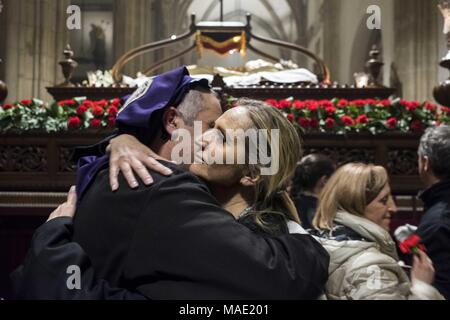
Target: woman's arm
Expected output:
[128,155]
[375,276]
[57,268]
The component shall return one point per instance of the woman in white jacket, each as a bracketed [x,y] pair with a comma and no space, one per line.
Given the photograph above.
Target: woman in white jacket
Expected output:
[352,220]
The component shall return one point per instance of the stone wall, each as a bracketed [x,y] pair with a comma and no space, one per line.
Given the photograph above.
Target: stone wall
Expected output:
[35,36]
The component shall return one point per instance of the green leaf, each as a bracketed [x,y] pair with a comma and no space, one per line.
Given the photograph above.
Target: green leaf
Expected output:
[80,100]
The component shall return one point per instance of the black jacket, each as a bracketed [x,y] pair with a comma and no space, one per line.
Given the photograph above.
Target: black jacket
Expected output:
[434,229]
[168,241]
[306,208]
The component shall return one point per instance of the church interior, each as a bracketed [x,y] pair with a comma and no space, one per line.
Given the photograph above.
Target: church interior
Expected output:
[382,59]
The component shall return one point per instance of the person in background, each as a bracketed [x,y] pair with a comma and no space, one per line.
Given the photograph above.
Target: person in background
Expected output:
[311,174]
[352,222]
[434,229]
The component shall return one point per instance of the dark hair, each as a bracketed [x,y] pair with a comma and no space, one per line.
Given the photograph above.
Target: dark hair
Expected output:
[309,171]
[435,145]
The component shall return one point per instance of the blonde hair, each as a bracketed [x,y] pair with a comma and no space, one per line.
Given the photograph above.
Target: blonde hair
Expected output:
[351,188]
[271,196]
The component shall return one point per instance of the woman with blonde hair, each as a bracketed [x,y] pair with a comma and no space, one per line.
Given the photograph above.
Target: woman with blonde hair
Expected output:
[352,222]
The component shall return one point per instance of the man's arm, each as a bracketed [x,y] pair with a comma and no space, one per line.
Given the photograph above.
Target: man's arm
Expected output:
[184,235]
[435,236]
[56,268]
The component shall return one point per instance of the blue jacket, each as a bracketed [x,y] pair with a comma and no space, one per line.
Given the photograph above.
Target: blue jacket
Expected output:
[434,230]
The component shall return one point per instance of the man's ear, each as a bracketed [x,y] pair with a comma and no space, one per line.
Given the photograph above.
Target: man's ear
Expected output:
[424,164]
[171,120]
[248,181]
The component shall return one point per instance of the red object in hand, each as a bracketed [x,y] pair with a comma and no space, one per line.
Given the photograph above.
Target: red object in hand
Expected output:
[411,245]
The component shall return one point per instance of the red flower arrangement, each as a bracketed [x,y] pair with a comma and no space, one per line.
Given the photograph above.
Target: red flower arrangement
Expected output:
[92,114]
[341,116]
[73,114]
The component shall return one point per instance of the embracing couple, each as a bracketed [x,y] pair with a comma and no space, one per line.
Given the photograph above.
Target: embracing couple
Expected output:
[192,231]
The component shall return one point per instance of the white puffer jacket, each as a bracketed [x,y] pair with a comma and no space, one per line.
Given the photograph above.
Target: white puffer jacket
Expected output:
[369,269]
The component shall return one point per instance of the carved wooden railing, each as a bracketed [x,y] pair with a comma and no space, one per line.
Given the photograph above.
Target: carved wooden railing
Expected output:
[41,162]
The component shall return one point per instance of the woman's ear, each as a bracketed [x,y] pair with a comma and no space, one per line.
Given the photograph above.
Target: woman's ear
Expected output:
[248,181]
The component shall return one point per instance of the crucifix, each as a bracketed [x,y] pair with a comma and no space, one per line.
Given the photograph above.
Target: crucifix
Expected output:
[221,10]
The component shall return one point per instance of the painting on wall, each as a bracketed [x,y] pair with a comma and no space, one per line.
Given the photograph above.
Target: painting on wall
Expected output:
[93,43]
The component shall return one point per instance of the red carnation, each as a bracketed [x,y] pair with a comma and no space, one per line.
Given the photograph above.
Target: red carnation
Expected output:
[385,103]
[362,119]
[314,123]
[411,245]
[7,106]
[285,104]
[330,110]
[330,123]
[88,104]
[67,103]
[81,109]
[102,103]
[299,104]
[26,102]
[303,122]
[74,123]
[430,107]
[326,104]
[112,111]
[410,105]
[445,109]
[272,102]
[115,102]
[290,117]
[416,125]
[404,103]
[342,103]
[96,123]
[348,121]
[111,122]
[97,111]
[358,103]
[392,123]
[311,105]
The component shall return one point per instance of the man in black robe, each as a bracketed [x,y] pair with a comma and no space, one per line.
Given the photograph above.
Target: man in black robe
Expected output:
[169,240]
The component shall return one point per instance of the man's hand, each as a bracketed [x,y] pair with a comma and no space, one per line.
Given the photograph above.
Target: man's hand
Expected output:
[127,154]
[67,209]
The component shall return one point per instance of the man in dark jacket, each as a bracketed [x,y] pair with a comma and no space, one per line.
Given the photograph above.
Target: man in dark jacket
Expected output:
[434,229]
[170,240]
